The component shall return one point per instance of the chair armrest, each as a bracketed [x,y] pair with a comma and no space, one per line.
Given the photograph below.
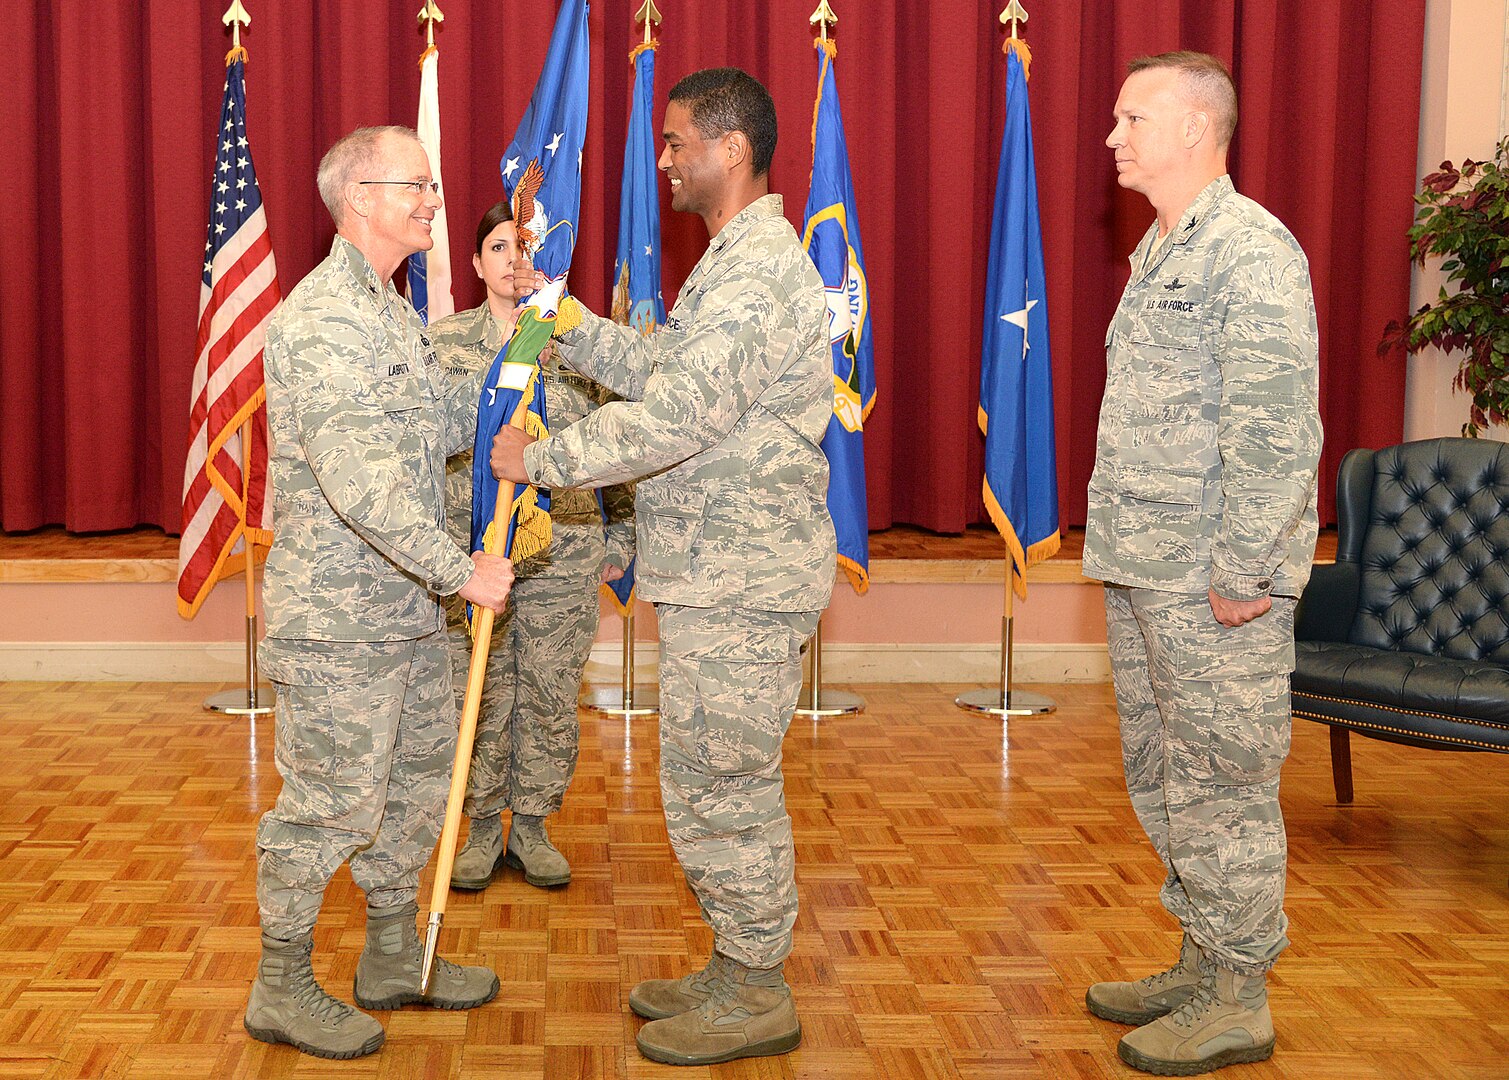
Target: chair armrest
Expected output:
[1329,603]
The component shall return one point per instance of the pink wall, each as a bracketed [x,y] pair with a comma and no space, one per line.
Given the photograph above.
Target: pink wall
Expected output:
[909,613]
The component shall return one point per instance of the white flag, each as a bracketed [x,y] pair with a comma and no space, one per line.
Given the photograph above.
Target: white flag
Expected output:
[430,271]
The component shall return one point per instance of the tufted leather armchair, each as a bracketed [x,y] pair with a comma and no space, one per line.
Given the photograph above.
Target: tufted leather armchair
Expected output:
[1406,637]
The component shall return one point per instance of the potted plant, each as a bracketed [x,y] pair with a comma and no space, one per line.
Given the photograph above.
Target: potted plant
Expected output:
[1464,218]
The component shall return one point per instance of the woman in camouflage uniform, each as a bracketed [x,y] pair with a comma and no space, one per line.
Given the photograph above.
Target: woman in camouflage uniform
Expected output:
[527,730]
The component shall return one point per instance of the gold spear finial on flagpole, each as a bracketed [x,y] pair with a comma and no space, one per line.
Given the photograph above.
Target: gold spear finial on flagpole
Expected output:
[648,14]
[235,17]
[430,15]
[822,17]
[1014,12]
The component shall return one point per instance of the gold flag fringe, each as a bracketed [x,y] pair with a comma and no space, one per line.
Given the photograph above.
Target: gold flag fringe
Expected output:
[1023,53]
[568,316]
[429,51]
[238,53]
[830,49]
[643,46]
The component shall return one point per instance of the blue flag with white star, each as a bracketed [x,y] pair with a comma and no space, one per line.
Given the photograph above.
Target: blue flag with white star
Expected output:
[830,233]
[542,177]
[1016,371]
[636,269]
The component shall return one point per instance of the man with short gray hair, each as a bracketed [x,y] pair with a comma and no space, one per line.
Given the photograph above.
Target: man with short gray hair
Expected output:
[361,419]
[1202,525]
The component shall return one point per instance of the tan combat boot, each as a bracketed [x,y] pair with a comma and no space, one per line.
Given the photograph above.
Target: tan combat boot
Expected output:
[531,851]
[748,1014]
[1224,1022]
[1145,1000]
[656,999]
[479,859]
[288,1006]
[387,975]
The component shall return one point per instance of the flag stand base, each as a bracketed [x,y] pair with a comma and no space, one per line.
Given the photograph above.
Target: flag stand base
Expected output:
[1020,703]
[627,700]
[240,703]
[1003,700]
[817,702]
[257,697]
[644,701]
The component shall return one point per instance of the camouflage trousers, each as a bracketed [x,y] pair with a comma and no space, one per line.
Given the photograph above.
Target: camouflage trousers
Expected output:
[527,730]
[1204,731]
[729,681]
[366,735]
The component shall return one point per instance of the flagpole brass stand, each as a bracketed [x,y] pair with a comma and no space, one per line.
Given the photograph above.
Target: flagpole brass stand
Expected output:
[628,700]
[1003,700]
[257,698]
[816,702]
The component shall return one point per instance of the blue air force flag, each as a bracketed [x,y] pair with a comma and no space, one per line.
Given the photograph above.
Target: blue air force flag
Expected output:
[542,176]
[636,269]
[830,234]
[1016,371]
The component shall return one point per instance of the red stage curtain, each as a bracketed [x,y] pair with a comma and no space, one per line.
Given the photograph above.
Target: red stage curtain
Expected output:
[106,154]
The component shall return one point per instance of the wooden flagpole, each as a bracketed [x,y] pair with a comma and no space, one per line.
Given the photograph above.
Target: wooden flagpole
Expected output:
[466,737]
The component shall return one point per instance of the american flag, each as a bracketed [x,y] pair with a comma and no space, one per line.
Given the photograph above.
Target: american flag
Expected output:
[224,510]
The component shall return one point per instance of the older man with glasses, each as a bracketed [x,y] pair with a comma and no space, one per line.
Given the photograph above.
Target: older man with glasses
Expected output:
[361,419]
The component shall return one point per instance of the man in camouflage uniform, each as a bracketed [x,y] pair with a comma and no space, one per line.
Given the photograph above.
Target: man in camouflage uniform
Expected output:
[361,419]
[527,730]
[1202,524]
[725,407]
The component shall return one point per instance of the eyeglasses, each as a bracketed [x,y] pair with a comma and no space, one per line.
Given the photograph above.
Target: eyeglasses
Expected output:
[418,187]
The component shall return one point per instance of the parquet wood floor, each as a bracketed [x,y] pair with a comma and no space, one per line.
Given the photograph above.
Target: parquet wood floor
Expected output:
[959,889]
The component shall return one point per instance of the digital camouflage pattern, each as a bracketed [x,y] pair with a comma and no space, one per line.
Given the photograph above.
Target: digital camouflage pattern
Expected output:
[1204,731]
[361,419]
[365,740]
[1209,439]
[729,681]
[726,406]
[1205,478]
[527,731]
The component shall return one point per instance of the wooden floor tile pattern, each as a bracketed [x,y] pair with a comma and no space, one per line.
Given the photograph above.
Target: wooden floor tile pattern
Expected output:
[959,889]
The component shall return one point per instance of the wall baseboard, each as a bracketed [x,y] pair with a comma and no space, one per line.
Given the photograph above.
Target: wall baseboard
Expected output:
[843,662]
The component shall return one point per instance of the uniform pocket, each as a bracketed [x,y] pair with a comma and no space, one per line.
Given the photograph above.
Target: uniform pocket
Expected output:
[1158,515]
[1249,731]
[670,523]
[321,732]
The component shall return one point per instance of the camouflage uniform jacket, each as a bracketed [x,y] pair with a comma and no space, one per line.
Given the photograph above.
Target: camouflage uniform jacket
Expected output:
[361,420]
[467,343]
[1205,461]
[725,407]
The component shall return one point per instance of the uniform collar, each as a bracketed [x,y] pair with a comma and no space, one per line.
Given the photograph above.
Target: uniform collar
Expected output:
[766,206]
[349,258]
[1211,196]
[483,329]
[1195,215]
